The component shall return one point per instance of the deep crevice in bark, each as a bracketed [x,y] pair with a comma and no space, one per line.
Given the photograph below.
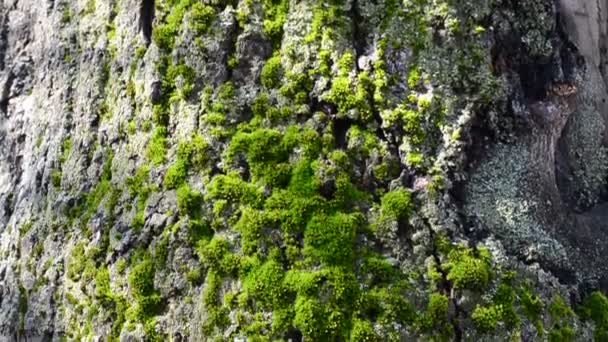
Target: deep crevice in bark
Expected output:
[146,18]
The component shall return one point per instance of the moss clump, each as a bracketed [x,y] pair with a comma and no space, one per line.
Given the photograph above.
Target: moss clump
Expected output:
[486,319]
[309,317]
[397,204]
[467,269]
[362,331]
[232,188]
[187,200]
[157,148]
[76,262]
[564,334]
[141,284]
[56,179]
[438,306]
[190,154]
[176,174]
[267,152]
[595,308]
[275,13]
[271,72]
[329,239]
[201,18]
[265,283]
[533,308]
[102,286]
[164,35]
[505,298]
[66,149]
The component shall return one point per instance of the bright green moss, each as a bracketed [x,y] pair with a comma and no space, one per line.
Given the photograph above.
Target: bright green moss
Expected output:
[232,188]
[186,74]
[192,153]
[164,35]
[397,204]
[275,13]
[467,270]
[250,227]
[362,331]
[213,252]
[271,72]
[141,284]
[310,318]
[438,307]
[157,148]
[103,291]
[330,239]
[267,154]
[486,319]
[187,200]
[414,160]
[201,18]
[413,78]
[176,174]
[260,105]
[265,283]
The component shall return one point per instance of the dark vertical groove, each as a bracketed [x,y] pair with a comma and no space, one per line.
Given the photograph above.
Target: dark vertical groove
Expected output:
[146,18]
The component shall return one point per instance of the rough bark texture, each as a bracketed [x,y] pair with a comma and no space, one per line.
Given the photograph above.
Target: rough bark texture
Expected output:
[357,170]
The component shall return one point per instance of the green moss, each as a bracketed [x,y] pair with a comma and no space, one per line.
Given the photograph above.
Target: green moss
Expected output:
[157,148]
[56,179]
[595,308]
[330,239]
[310,318]
[275,14]
[505,299]
[532,307]
[194,276]
[103,291]
[271,72]
[77,261]
[66,15]
[559,309]
[141,284]
[265,283]
[564,334]
[90,7]
[438,307]
[397,204]
[66,149]
[176,174]
[486,319]
[191,153]
[201,18]
[467,270]
[187,200]
[232,188]
[267,153]
[164,35]
[362,331]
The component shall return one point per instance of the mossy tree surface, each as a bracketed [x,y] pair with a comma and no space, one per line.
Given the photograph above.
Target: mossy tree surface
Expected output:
[303,202]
